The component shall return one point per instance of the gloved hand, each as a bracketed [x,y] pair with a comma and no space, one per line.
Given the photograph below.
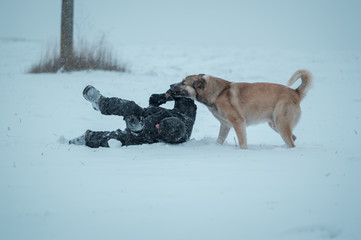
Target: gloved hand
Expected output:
[169,95]
[157,99]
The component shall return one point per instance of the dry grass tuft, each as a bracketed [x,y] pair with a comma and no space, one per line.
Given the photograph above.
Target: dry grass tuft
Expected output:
[85,57]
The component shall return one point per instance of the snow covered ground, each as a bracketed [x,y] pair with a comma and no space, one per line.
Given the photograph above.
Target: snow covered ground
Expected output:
[196,190]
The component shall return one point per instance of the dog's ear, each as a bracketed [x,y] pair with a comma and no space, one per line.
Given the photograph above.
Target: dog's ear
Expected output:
[199,84]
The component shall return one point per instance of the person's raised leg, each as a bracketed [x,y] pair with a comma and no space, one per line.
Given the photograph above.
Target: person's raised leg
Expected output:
[112,105]
[132,113]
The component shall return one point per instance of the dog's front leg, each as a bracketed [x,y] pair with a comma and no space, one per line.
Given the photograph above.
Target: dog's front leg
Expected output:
[240,128]
[223,133]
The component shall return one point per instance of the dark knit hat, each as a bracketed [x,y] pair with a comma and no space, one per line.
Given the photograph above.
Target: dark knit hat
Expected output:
[171,130]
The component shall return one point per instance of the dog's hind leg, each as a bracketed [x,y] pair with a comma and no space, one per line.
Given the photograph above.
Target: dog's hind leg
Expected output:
[284,123]
[286,134]
[273,126]
[223,133]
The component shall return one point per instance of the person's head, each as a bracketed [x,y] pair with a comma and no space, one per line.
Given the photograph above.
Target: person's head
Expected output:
[171,130]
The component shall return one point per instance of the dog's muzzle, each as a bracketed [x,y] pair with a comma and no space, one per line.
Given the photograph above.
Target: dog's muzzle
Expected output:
[177,90]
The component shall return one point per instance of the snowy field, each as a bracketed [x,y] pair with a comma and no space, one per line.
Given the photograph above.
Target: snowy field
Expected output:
[196,190]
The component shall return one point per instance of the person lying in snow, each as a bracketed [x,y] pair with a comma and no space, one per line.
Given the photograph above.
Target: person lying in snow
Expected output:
[143,125]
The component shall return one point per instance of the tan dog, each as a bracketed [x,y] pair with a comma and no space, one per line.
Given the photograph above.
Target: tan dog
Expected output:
[241,104]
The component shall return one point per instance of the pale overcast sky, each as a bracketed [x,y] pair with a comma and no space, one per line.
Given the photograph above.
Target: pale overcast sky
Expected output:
[304,24]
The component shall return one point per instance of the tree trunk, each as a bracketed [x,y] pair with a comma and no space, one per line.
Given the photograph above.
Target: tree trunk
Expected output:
[66,42]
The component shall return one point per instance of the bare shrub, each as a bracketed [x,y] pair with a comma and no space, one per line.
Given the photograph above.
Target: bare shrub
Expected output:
[85,57]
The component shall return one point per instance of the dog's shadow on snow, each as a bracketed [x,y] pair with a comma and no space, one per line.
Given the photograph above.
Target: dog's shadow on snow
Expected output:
[208,141]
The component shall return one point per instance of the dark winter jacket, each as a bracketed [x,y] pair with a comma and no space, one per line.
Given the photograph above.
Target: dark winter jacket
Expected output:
[162,124]
[183,113]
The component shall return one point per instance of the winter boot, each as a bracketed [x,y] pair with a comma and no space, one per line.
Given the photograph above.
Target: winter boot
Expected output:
[80,140]
[92,95]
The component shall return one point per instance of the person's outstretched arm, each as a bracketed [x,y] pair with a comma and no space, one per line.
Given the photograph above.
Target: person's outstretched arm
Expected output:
[159,99]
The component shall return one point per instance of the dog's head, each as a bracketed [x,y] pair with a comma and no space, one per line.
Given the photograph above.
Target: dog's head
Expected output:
[190,87]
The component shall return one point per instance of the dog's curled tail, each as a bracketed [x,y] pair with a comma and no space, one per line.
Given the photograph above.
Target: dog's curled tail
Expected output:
[306,78]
